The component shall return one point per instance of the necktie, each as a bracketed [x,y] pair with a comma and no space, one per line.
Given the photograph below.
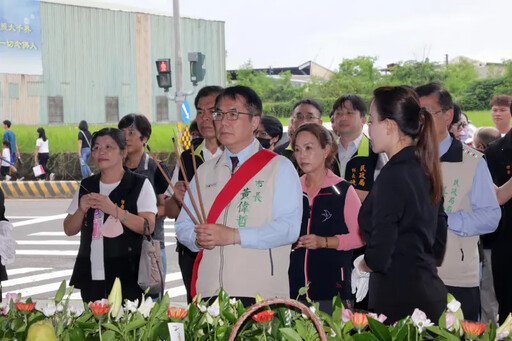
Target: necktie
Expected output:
[234,163]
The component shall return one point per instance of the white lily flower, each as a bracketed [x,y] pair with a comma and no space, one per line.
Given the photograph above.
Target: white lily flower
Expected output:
[232,301]
[50,309]
[74,310]
[131,306]
[420,320]
[453,306]
[201,307]
[145,306]
[214,310]
[60,307]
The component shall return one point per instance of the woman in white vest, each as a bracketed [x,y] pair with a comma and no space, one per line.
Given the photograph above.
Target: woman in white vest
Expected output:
[402,218]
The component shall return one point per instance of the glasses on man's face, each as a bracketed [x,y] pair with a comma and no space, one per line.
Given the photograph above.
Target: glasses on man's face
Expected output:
[231,114]
[306,117]
[262,134]
[461,126]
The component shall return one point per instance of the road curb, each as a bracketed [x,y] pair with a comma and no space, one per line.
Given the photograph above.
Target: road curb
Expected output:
[39,189]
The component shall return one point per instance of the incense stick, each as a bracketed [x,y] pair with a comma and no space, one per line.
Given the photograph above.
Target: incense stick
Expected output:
[199,196]
[194,220]
[187,184]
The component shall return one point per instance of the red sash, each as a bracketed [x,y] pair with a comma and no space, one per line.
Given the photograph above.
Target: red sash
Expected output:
[246,172]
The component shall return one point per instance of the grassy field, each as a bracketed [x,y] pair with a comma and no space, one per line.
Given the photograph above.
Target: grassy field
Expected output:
[64,137]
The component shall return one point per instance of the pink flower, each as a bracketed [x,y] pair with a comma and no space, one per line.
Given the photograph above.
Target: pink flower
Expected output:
[10,296]
[346,315]
[381,318]
[451,318]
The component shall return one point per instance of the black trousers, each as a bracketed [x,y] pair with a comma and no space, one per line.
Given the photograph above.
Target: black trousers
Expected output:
[186,259]
[42,158]
[469,299]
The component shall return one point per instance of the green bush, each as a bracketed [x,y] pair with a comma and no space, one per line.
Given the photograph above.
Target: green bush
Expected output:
[479,92]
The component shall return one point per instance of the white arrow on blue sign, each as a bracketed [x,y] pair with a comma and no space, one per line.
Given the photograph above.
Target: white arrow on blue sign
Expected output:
[185,111]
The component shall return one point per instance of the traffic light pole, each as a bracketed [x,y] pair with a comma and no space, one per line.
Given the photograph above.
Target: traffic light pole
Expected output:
[178,70]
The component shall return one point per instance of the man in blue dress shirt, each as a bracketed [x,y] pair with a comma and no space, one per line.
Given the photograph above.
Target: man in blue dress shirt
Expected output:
[469,201]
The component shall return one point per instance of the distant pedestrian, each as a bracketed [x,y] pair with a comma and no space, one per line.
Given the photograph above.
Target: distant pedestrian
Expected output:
[7,252]
[42,154]
[7,167]
[84,148]
[10,136]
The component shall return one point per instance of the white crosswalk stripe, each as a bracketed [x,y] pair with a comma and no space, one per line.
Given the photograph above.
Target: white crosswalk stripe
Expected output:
[45,251]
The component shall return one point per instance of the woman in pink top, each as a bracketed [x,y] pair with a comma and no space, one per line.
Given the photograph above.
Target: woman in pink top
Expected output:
[322,255]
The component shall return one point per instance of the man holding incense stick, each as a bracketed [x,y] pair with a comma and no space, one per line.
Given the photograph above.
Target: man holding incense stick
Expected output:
[207,149]
[253,203]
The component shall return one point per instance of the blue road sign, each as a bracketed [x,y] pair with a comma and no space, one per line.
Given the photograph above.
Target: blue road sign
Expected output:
[185,112]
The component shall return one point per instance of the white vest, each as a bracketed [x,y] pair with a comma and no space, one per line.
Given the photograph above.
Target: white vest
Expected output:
[460,267]
[243,272]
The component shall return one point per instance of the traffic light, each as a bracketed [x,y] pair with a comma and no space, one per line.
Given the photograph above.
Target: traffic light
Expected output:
[197,72]
[163,67]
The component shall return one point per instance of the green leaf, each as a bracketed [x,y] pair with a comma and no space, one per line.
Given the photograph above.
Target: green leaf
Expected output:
[109,335]
[111,327]
[228,316]
[379,329]
[60,293]
[290,334]
[134,324]
[364,336]
[301,328]
[444,333]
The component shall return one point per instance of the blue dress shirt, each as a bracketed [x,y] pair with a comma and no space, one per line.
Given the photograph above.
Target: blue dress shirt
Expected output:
[486,210]
[286,206]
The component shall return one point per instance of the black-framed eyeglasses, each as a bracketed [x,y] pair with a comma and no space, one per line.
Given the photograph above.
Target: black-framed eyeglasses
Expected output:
[231,114]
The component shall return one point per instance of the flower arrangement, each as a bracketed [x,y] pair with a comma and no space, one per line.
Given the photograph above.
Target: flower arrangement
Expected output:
[115,319]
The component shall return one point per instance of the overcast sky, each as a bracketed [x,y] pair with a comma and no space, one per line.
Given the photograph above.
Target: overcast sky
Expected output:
[291,32]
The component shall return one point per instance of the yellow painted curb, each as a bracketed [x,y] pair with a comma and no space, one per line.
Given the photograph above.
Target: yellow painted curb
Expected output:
[39,189]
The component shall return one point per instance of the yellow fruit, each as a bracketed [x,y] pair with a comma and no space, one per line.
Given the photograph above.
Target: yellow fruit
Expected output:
[41,331]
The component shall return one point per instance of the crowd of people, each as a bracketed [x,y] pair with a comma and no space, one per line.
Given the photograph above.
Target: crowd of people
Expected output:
[397,203]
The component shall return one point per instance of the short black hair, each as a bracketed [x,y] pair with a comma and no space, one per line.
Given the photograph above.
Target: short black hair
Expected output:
[207,91]
[272,126]
[309,101]
[356,101]
[444,99]
[7,123]
[193,126]
[140,122]
[6,143]
[116,134]
[83,125]
[457,113]
[252,99]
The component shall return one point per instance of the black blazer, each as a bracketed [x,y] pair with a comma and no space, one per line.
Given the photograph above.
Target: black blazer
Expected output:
[404,233]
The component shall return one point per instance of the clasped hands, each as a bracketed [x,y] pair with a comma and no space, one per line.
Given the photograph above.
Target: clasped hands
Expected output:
[209,236]
[359,279]
[97,201]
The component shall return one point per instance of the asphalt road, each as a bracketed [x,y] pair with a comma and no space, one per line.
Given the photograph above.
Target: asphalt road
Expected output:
[45,256]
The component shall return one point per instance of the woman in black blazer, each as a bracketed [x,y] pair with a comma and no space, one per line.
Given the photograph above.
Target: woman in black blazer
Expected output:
[402,218]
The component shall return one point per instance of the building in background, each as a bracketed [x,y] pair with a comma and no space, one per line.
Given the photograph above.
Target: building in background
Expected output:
[98,64]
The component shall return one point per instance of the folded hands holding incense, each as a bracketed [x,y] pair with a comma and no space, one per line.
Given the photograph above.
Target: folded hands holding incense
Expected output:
[210,235]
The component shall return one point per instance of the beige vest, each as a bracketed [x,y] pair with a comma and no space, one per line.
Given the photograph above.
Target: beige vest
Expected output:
[460,267]
[241,271]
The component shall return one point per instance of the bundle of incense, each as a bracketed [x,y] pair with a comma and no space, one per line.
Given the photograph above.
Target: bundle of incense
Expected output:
[200,217]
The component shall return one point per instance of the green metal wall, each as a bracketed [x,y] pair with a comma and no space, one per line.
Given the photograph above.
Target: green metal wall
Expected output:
[90,53]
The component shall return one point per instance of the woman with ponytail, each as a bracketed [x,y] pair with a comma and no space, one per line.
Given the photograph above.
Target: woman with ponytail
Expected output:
[402,218]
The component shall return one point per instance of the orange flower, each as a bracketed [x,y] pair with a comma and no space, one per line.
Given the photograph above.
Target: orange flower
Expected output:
[473,329]
[264,316]
[25,306]
[177,313]
[359,320]
[100,308]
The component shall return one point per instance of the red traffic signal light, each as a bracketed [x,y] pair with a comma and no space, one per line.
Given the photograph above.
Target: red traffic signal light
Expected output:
[163,66]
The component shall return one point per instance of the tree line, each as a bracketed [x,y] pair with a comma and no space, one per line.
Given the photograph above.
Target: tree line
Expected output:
[361,76]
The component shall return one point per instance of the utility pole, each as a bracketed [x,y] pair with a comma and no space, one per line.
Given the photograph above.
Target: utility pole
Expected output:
[178,69]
